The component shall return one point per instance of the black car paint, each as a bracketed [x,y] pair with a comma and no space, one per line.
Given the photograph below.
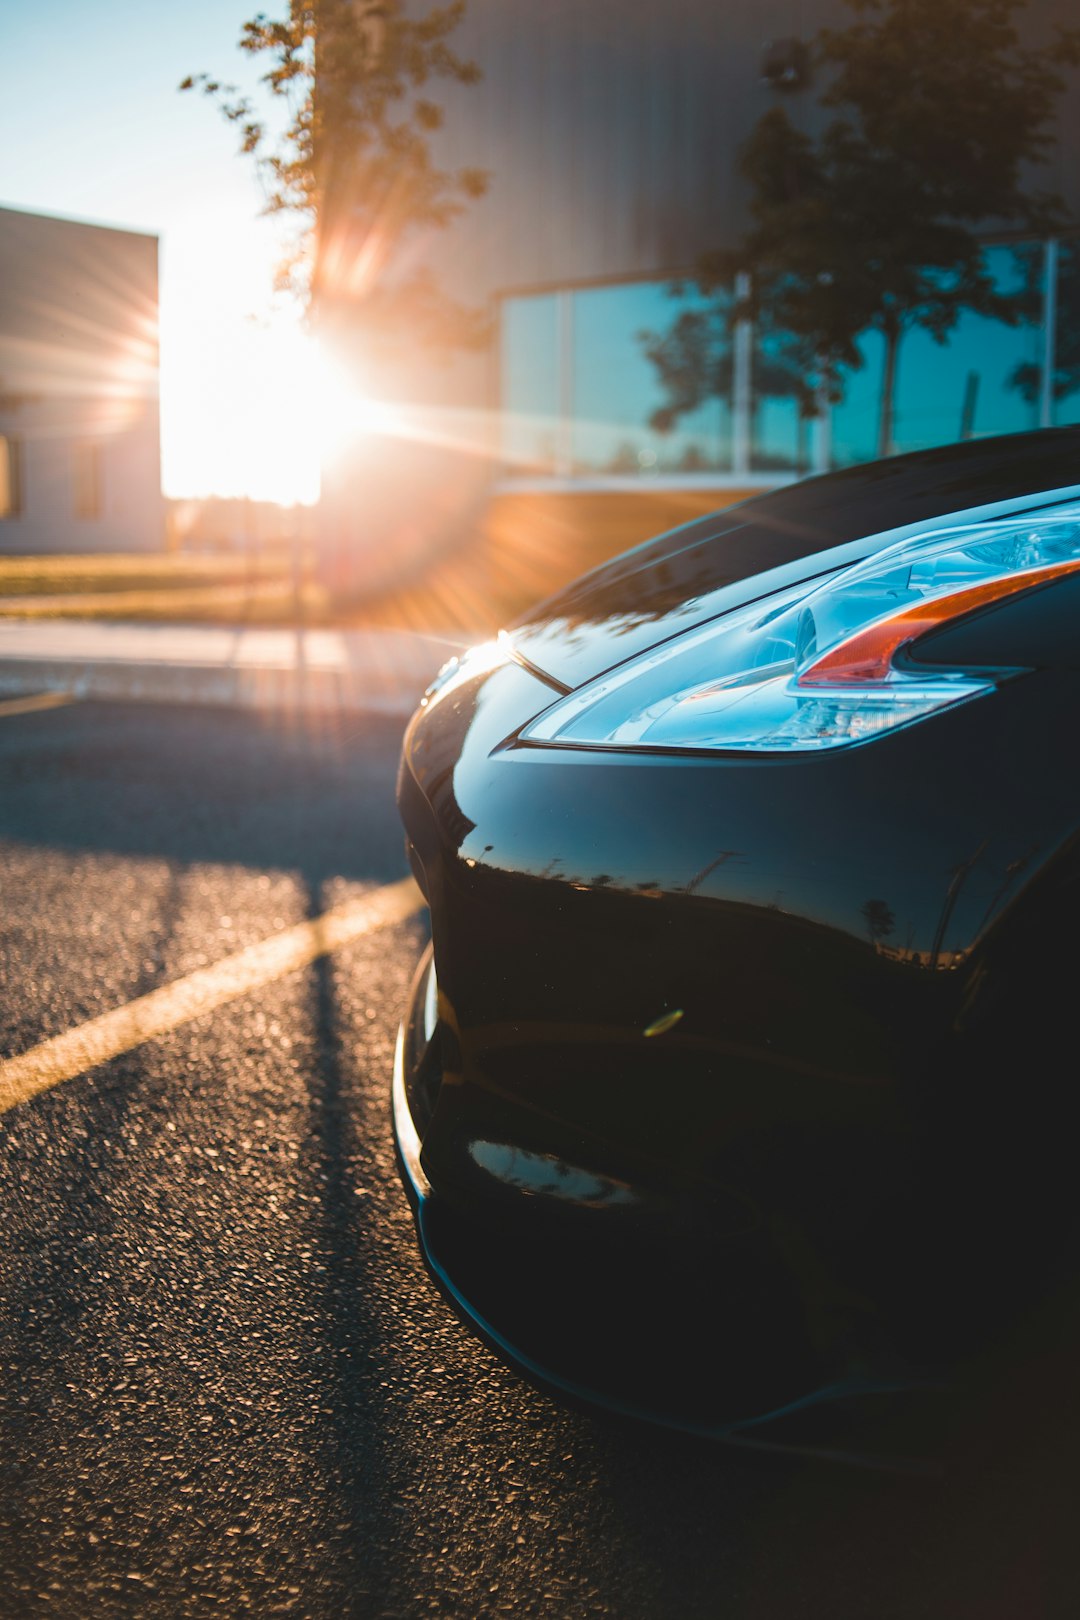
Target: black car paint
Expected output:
[843,1161]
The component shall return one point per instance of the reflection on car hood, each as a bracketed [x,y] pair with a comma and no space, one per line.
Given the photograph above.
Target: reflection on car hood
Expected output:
[712,565]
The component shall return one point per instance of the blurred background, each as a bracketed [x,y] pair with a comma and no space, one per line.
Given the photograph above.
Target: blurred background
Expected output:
[458,300]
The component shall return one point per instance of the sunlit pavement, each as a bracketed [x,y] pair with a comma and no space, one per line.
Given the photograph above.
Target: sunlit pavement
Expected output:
[228,1385]
[377,670]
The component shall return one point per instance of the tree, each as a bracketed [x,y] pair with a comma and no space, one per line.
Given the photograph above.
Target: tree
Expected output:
[939,111]
[343,146]
[1027,378]
[879,919]
[695,361]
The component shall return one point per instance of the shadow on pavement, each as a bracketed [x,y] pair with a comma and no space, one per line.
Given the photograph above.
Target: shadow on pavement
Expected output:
[312,794]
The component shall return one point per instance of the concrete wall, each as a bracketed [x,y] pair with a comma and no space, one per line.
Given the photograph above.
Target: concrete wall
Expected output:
[611,129]
[79,385]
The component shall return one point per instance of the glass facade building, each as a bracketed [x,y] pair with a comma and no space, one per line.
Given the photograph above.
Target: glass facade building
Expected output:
[588,375]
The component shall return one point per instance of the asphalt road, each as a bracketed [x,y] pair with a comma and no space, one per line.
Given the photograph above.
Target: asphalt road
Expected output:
[228,1384]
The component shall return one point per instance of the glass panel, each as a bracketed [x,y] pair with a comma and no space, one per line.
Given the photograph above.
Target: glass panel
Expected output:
[619,388]
[984,379]
[780,418]
[1067,357]
[855,419]
[530,383]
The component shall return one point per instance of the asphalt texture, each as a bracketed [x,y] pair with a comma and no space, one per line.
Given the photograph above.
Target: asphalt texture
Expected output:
[229,1385]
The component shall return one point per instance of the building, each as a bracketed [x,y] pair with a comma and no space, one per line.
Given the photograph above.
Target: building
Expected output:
[80,460]
[611,131]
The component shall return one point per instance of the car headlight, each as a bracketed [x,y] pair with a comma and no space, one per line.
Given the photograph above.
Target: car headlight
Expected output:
[464,667]
[822,665]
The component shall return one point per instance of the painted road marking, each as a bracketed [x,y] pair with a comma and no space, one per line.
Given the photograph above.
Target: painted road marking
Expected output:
[39,700]
[160,1011]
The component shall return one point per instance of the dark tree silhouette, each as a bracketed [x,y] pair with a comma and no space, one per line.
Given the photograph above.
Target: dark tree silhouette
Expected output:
[939,110]
[351,84]
[1027,378]
[694,361]
[879,918]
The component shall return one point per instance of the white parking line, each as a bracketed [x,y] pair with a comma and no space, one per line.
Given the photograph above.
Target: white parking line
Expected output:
[38,700]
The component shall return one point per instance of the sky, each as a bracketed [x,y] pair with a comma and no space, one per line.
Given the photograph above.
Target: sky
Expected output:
[92,126]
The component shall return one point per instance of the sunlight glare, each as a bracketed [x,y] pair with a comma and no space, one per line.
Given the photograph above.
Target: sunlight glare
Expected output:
[256,408]
[340,413]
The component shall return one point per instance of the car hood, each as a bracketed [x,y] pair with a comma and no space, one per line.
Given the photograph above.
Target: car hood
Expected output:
[717,563]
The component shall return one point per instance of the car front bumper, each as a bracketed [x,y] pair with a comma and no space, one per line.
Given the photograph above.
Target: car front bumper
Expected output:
[686,1130]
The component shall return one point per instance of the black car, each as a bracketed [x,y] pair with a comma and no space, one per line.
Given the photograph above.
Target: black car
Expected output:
[738,1082]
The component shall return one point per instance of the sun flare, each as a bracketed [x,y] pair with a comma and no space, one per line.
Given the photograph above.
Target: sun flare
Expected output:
[340,412]
[256,408]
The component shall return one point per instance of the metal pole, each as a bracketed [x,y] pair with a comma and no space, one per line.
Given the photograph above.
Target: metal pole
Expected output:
[564,450]
[822,431]
[742,402]
[1046,381]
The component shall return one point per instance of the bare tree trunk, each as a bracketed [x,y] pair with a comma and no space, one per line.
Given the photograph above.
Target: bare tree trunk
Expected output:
[891,331]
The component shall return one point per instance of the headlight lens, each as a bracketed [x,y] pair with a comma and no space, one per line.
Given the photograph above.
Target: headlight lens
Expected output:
[821,665]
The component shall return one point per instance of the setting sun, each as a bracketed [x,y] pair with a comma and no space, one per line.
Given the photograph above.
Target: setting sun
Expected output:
[255,407]
[235,406]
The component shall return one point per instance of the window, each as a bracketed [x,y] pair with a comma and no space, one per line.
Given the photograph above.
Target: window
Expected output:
[971,385]
[1066,391]
[626,341]
[854,422]
[589,376]
[531,428]
[781,411]
[10,477]
[88,481]
[582,386]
